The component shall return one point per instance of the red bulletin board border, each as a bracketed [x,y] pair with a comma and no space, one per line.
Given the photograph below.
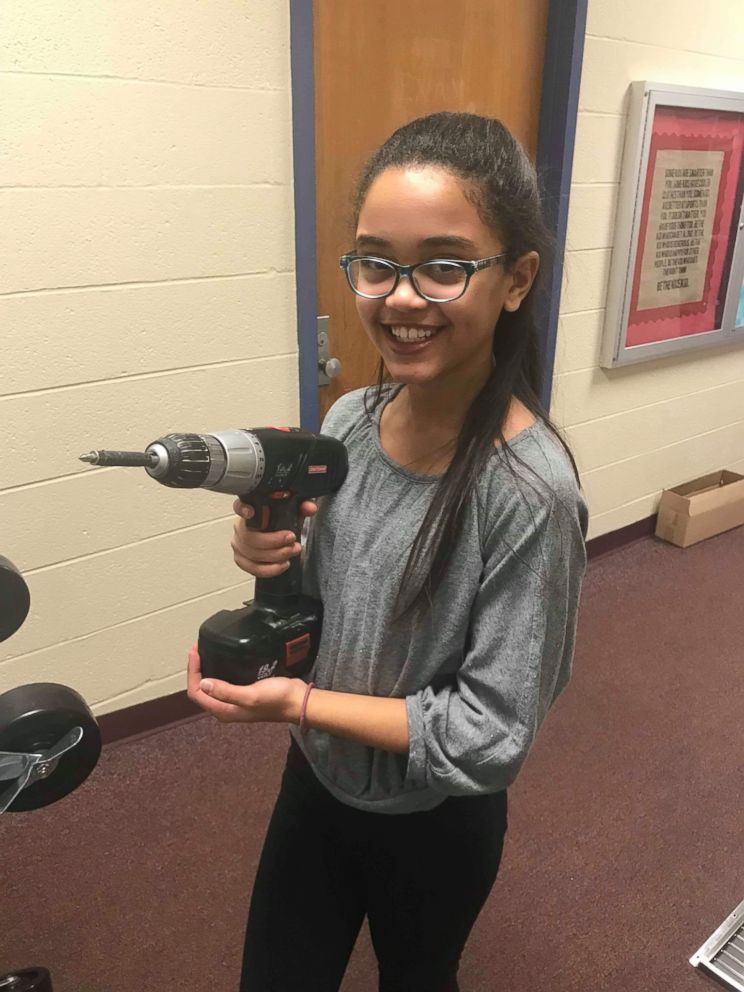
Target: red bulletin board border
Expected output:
[690,129]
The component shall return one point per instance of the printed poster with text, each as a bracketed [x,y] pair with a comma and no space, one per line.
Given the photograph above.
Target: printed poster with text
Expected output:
[690,207]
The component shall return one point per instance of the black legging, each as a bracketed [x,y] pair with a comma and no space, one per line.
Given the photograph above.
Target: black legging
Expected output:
[421,879]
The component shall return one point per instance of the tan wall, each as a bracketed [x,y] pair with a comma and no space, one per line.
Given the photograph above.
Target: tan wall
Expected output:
[146,286]
[638,430]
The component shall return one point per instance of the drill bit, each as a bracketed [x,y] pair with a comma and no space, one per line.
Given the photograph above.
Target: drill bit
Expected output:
[143,459]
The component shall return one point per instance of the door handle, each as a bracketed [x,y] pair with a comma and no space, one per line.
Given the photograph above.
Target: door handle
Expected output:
[328,367]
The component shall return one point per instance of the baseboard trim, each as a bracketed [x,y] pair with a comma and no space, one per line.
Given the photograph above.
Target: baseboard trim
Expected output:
[143,719]
[619,538]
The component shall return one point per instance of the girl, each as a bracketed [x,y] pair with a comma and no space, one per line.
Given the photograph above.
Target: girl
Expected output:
[449,565]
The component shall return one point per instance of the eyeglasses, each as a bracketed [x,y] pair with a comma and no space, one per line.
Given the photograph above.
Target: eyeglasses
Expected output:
[439,280]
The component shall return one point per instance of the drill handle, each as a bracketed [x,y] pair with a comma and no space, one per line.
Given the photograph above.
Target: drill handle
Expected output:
[277,511]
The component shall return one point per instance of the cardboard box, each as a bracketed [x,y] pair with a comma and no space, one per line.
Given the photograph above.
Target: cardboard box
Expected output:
[700,509]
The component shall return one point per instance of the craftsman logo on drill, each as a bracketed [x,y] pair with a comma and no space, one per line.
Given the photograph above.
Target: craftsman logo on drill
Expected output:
[317,469]
[266,671]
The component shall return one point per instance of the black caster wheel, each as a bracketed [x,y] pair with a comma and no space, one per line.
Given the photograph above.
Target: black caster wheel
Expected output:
[14,601]
[28,980]
[49,745]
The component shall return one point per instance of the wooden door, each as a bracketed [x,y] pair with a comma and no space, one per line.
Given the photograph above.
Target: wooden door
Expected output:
[380,63]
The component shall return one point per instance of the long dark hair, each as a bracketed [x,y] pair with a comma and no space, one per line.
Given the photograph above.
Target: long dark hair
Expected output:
[501,182]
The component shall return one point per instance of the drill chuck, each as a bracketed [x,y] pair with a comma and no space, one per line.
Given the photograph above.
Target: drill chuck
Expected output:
[183,460]
[227,461]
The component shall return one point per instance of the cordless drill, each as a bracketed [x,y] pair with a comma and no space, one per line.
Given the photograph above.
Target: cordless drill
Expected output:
[273,469]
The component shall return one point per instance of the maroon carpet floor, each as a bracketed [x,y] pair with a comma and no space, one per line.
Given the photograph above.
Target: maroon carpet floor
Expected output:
[624,851]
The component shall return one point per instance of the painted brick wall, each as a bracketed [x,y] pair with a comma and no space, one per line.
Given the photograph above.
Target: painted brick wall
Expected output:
[146,286]
[638,430]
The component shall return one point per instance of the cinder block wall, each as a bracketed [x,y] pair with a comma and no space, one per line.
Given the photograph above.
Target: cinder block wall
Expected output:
[146,286]
[638,430]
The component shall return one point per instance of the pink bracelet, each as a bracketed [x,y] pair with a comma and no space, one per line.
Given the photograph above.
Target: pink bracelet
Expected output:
[303,725]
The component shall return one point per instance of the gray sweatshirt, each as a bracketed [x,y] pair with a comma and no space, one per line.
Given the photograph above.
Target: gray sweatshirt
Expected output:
[481,668]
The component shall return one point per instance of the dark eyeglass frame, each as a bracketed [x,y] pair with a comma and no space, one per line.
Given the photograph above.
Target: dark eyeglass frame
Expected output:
[470,267]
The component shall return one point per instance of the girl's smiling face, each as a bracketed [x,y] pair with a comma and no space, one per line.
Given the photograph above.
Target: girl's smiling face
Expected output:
[418,213]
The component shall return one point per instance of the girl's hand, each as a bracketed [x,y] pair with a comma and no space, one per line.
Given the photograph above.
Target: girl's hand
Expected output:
[273,700]
[260,553]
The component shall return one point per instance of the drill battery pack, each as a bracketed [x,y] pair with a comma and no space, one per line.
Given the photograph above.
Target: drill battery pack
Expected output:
[258,642]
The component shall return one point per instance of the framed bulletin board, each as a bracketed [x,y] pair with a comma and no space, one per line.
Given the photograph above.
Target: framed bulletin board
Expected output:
[678,261]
